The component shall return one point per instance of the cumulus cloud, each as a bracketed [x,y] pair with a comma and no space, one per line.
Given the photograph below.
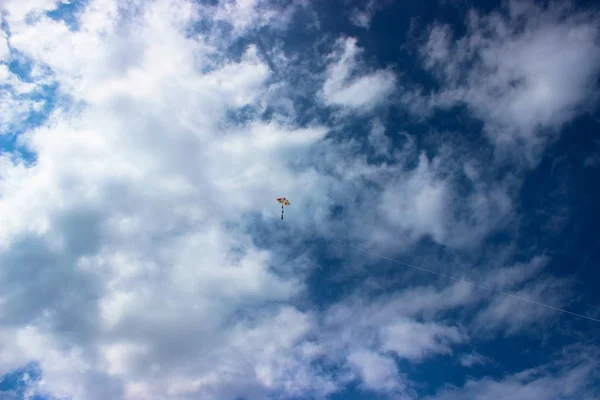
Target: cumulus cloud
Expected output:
[367,334]
[426,201]
[349,84]
[15,107]
[140,253]
[380,323]
[243,15]
[524,71]
[17,96]
[115,262]
[378,373]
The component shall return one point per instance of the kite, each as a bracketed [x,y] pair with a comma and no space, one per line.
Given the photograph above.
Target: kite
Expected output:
[284,202]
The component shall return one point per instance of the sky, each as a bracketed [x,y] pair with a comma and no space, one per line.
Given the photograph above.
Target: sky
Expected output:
[143,144]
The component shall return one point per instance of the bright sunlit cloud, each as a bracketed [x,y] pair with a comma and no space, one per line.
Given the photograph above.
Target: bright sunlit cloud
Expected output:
[144,143]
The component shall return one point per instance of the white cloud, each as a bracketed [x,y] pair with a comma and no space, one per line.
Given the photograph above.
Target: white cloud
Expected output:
[346,85]
[577,370]
[512,316]
[19,10]
[473,359]
[129,249]
[121,248]
[414,341]
[361,18]
[524,74]
[243,15]
[363,14]
[4,49]
[378,373]
[407,324]
[484,313]
[382,145]
[423,210]
[383,324]
[16,102]
[425,202]
[125,225]
[15,111]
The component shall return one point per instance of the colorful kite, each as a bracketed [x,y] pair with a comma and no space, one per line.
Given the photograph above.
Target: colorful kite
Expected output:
[284,202]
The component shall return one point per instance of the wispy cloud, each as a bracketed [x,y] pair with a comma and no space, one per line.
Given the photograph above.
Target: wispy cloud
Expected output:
[577,370]
[473,359]
[363,14]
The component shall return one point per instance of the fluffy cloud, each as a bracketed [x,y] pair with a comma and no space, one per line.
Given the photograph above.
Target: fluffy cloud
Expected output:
[120,252]
[142,253]
[525,72]
[378,373]
[17,96]
[243,15]
[346,83]
[428,201]
[366,335]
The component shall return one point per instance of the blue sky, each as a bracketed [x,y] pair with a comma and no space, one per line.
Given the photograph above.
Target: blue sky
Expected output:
[143,145]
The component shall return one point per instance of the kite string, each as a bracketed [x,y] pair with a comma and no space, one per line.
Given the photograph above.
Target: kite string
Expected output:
[471,283]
